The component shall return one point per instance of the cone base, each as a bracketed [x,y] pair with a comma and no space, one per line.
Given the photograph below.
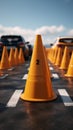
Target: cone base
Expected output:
[37,99]
[62,68]
[69,76]
[4,67]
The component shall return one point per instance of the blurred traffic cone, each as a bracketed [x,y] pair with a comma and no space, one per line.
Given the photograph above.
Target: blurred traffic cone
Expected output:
[59,57]
[16,56]
[46,62]
[55,55]
[65,59]
[21,56]
[38,85]
[4,60]
[11,58]
[70,68]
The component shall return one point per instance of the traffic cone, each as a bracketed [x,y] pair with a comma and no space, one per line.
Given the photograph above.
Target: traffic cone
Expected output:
[38,85]
[11,58]
[55,55]
[4,60]
[70,68]
[21,56]
[59,57]
[46,61]
[16,56]
[65,59]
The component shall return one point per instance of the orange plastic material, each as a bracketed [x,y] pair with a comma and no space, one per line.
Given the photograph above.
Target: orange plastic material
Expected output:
[16,57]
[55,55]
[1,73]
[65,59]
[46,62]
[11,58]
[38,85]
[4,60]
[21,56]
[70,68]
[59,57]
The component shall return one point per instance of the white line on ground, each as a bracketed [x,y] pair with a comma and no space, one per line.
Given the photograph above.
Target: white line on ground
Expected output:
[27,65]
[25,76]
[11,68]
[4,76]
[65,97]
[49,64]
[56,76]
[14,98]
[51,68]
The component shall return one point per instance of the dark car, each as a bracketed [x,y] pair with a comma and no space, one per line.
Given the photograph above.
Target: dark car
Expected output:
[14,41]
[30,49]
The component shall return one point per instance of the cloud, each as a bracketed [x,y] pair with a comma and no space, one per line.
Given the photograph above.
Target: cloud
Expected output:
[70,32]
[50,29]
[48,32]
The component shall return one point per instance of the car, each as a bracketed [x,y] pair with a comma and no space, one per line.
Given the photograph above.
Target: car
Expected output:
[63,41]
[14,41]
[30,49]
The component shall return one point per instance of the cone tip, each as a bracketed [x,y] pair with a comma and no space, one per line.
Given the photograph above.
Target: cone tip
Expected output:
[38,36]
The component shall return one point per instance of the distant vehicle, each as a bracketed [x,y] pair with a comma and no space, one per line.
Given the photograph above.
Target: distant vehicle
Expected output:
[14,41]
[63,41]
[30,49]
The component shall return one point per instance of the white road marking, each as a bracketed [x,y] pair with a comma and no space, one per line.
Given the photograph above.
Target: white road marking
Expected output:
[14,98]
[25,76]
[28,68]
[51,68]
[56,76]
[65,97]
[27,65]
[12,68]
[3,76]
[49,64]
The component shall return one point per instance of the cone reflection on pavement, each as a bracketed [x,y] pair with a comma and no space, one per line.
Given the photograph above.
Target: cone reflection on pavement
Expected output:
[70,68]
[38,85]
[21,56]
[4,60]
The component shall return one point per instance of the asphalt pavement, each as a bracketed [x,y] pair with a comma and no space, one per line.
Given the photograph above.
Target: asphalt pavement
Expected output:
[24,115]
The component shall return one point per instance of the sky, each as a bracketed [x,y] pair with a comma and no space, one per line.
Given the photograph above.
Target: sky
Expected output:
[49,18]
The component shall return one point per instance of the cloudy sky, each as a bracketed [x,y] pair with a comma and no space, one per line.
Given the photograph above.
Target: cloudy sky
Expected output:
[50,18]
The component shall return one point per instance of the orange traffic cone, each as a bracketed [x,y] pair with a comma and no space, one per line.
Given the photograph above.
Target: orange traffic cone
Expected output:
[16,56]
[38,85]
[21,56]
[11,58]
[55,55]
[65,59]
[59,57]
[46,61]
[4,60]
[70,68]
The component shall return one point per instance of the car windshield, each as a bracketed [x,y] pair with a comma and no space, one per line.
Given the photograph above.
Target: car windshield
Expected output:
[11,38]
[66,40]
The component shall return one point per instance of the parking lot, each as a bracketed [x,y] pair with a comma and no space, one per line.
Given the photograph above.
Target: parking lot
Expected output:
[22,115]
